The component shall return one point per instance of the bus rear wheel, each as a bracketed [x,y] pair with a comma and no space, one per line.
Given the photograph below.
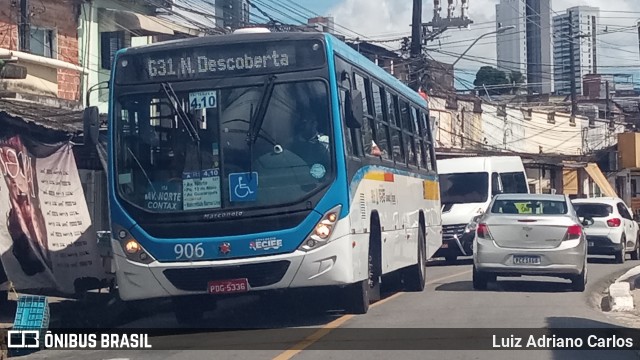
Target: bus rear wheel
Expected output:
[414,276]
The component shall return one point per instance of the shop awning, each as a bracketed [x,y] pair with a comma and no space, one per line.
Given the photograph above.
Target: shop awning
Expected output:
[141,25]
[598,177]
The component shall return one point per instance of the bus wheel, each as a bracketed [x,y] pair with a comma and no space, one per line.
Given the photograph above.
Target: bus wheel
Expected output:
[187,311]
[414,276]
[360,294]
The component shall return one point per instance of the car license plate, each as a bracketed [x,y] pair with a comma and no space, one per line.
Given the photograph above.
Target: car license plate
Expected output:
[445,245]
[591,243]
[228,286]
[528,260]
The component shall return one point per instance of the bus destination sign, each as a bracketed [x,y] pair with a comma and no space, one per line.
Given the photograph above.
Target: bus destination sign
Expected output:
[218,61]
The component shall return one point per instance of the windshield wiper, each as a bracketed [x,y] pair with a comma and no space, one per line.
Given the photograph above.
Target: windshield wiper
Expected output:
[257,118]
[255,124]
[184,118]
[179,109]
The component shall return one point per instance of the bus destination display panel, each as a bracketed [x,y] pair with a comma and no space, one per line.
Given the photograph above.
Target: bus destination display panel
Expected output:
[220,60]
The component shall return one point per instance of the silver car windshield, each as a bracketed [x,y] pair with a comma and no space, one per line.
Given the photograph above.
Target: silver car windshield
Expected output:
[529,207]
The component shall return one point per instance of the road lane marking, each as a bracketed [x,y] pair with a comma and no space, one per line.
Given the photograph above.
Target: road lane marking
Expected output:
[311,339]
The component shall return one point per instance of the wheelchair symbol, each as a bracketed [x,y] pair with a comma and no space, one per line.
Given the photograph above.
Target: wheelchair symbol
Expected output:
[243,186]
[243,189]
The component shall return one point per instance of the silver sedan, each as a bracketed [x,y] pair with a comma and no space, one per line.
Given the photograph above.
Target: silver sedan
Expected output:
[530,234]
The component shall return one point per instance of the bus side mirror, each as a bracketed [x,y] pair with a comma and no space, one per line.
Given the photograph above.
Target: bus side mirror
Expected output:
[91,127]
[353,106]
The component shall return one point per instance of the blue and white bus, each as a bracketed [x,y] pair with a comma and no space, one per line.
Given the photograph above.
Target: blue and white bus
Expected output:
[251,162]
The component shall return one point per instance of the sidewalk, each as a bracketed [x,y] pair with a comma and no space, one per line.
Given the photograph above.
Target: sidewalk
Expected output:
[622,298]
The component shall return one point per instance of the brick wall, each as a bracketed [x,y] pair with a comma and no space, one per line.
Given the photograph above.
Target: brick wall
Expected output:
[61,15]
[8,28]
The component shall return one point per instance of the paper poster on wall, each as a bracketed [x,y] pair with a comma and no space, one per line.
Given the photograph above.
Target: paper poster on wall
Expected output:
[201,190]
[48,240]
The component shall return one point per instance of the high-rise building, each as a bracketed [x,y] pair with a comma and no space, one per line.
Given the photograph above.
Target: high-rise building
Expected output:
[234,14]
[527,48]
[539,45]
[581,21]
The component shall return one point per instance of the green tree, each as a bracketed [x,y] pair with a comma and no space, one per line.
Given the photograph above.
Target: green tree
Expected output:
[516,77]
[492,78]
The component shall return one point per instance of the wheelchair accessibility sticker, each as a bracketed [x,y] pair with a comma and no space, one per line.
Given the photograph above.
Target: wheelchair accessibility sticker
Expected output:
[243,187]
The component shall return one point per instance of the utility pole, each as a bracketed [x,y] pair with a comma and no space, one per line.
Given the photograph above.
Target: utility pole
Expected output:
[574,104]
[606,89]
[441,24]
[420,35]
[25,29]
[416,44]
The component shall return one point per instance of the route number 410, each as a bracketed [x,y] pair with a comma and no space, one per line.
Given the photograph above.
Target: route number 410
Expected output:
[202,100]
[188,251]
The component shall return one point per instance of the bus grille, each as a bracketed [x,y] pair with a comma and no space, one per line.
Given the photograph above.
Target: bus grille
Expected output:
[196,279]
[449,231]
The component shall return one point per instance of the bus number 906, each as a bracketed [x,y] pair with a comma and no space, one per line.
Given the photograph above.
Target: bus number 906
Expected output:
[188,251]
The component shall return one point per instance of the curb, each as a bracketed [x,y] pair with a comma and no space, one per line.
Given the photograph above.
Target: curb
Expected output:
[619,298]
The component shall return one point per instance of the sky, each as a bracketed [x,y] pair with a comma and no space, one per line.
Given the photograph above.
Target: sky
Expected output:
[390,19]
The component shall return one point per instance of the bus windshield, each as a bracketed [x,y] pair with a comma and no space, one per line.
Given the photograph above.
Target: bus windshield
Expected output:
[161,166]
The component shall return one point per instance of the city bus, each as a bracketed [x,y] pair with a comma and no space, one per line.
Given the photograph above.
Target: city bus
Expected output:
[249,162]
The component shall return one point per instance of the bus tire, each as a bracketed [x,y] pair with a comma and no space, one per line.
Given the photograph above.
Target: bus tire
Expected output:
[360,294]
[415,275]
[357,298]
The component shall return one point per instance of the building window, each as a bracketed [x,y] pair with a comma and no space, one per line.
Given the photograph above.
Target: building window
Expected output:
[43,42]
[110,43]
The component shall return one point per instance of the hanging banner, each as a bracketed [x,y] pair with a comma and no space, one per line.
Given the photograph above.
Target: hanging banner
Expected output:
[46,238]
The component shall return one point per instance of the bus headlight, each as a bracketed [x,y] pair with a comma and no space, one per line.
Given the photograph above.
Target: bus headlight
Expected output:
[133,250]
[321,233]
[132,246]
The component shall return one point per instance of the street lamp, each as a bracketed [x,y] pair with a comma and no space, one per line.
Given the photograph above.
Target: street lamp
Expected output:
[499,31]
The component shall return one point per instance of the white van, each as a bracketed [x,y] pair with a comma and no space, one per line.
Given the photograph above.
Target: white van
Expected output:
[467,186]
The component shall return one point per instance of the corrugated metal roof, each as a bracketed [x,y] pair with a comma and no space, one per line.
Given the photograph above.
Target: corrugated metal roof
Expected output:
[37,115]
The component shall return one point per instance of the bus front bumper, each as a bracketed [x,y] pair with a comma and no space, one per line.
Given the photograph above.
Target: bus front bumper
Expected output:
[332,264]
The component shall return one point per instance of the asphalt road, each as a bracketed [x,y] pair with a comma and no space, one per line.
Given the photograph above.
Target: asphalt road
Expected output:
[448,302]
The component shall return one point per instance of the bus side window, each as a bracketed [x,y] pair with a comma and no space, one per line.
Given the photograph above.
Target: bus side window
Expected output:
[416,138]
[428,160]
[368,124]
[408,133]
[381,130]
[395,128]
[348,140]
